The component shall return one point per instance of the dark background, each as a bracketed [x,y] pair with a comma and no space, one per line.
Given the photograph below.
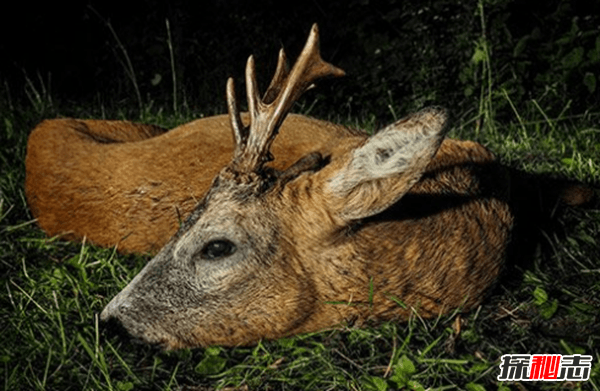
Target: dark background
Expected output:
[398,54]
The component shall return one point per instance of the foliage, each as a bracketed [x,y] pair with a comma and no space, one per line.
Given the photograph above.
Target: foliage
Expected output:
[54,291]
[398,55]
[521,77]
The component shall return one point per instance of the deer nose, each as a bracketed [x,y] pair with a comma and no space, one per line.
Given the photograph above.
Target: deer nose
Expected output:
[118,305]
[114,327]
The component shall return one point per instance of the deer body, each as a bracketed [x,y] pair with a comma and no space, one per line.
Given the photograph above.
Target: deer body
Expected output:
[440,247]
[355,225]
[340,236]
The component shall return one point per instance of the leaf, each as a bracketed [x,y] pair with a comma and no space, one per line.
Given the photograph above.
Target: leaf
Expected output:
[374,383]
[415,386]
[405,365]
[548,309]
[574,58]
[594,54]
[212,351]
[520,46]
[57,279]
[286,343]
[540,296]
[589,80]
[156,79]
[478,56]
[124,386]
[210,365]
[474,387]
[403,371]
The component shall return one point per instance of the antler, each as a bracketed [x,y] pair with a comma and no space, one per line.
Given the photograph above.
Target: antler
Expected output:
[266,116]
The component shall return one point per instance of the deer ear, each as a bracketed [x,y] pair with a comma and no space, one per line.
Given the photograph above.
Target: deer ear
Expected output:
[379,172]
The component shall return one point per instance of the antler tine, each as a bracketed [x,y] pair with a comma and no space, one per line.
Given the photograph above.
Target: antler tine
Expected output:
[252,93]
[308,68]
[266,116]
[281,72]
[240,133]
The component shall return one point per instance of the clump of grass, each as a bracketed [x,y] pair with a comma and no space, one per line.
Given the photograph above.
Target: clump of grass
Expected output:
[53,292]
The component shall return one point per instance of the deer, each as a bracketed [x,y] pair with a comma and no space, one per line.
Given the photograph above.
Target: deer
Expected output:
[405,214]
[285,225]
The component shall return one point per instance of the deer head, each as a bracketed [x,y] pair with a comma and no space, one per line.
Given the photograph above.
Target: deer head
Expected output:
[265,251]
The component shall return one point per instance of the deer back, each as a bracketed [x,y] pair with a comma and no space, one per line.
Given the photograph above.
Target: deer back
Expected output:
[130,185]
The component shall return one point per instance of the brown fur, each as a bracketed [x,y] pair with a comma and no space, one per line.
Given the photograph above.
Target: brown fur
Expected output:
[129,185]
[357,224]
[440,247]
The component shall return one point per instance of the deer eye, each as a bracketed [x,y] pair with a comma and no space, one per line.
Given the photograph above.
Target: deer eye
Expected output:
[217,249]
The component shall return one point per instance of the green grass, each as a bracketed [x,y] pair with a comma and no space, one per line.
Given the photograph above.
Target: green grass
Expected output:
[52,293]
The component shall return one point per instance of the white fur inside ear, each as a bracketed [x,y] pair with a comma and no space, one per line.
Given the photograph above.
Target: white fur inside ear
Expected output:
[388,153]
[394,150]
